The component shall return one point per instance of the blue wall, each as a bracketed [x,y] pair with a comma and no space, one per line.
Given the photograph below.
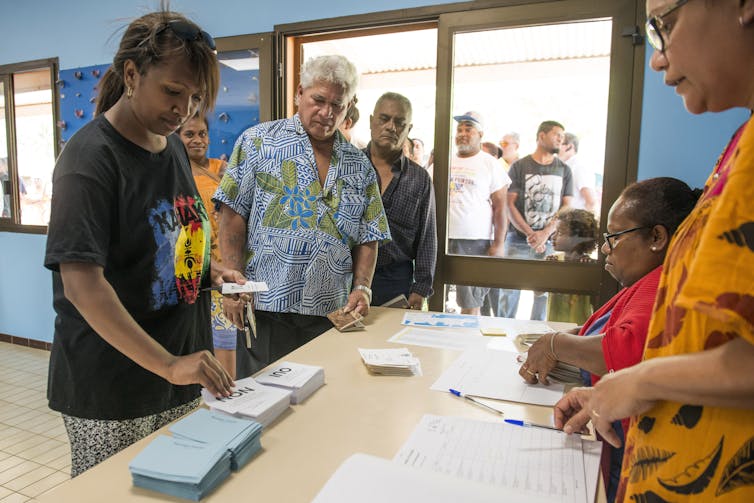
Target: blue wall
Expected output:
[676,143]
[673,143]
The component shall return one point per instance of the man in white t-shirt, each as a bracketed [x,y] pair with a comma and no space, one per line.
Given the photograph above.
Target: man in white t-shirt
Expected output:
[477,219]
[584,196]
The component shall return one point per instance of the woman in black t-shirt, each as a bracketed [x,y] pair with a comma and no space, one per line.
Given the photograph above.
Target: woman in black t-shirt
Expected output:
[128,245]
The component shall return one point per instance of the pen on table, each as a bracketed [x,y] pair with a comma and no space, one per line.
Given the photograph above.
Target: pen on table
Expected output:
[476,402]
[518,422]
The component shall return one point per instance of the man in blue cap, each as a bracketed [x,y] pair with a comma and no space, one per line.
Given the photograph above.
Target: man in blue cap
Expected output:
[477,220]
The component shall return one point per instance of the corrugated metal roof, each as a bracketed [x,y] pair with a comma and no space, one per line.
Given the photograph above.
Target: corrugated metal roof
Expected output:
[416,50]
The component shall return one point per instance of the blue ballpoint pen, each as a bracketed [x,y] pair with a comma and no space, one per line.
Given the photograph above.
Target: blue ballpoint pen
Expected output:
[518,422]
[476,402]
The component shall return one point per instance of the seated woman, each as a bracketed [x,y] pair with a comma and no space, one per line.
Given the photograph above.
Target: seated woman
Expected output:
[639,226]
[575,238]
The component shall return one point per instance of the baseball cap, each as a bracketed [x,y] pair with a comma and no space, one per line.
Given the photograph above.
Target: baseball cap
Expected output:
[475,118]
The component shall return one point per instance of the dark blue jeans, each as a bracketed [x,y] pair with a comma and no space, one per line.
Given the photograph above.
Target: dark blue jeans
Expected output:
[391,280]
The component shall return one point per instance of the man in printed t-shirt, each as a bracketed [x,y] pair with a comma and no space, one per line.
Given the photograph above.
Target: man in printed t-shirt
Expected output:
[540,185]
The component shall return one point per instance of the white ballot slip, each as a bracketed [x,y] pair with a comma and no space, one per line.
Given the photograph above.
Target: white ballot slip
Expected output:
[251,399]
[301,380]
[248,287]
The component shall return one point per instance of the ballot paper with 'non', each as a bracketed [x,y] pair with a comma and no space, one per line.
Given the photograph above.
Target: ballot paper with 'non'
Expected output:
[391,361]
[251,399]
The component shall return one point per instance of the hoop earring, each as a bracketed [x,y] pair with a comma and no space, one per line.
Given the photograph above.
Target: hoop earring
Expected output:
[653,248]
[129,92]
[741,21]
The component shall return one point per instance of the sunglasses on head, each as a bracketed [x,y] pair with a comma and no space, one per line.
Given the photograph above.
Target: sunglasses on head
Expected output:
[188,32]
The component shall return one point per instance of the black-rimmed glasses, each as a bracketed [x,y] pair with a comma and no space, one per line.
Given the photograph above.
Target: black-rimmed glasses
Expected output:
[188,32]
[656,25]
[609,237]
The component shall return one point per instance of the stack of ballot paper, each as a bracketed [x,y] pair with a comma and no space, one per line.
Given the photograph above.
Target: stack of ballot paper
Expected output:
[397,362]
[181,468]
[301,380]
[251,399]
[563,372]
[240,436]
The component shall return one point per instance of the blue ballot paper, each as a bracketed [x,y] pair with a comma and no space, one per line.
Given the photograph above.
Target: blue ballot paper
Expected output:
[180,467]
[239,435]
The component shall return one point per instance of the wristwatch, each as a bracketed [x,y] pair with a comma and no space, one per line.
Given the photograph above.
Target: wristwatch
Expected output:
[366,290]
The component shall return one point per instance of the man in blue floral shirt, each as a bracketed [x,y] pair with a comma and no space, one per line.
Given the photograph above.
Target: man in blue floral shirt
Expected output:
[301,210]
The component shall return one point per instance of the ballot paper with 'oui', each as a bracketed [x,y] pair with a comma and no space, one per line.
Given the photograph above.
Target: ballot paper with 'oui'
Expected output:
[398,361]
[301,380]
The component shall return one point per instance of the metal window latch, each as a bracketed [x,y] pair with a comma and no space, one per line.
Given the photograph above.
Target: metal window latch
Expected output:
[633,31]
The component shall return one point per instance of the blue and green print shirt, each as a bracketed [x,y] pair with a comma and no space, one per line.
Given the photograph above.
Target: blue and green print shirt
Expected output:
[300,235]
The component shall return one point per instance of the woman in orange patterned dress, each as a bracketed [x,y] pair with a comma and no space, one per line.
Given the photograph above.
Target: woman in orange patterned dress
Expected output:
[691,401]
[207,175]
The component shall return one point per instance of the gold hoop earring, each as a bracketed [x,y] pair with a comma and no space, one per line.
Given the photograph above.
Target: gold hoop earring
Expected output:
[129,92]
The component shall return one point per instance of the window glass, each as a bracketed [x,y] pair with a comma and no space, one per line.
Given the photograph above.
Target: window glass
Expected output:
[521,304]
[5,207]
[35,143]
[506,83]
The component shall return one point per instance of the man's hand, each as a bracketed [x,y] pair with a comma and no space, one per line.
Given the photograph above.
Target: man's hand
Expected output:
[496,249]
[415,301]
[358,301]
[233,305]
[538,239]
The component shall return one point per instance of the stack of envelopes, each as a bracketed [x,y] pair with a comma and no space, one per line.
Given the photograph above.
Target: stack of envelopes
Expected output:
[239,435]
[397,362]
[181,468]
[301,380]
[251,399]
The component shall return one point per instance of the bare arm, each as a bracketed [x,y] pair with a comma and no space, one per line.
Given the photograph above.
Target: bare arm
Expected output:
[590,199]
[232,240]
[87,289]
[715,378]
[582,351]
[364,259]
[499,201]
[517,220]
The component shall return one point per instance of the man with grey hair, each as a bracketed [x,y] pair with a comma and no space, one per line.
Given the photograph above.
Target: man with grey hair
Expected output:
[301,211]
[406,265]
[510,143]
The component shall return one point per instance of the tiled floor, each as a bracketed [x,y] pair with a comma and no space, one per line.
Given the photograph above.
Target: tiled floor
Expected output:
[34,450]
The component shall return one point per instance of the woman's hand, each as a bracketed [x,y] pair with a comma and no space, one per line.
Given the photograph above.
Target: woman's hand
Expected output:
[202,368]
[539,361]
[616,396]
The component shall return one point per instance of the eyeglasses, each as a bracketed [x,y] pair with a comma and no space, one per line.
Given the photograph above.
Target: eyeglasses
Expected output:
[655,26]
[610,237]
[188,32]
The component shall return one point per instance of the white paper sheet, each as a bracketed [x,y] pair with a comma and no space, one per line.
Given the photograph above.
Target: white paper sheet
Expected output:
[368,479]
[537,463]
[494,374]
[448,338]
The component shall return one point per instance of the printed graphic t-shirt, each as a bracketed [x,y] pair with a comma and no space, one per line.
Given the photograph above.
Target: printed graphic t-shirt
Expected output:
[540,189]
[137,215]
